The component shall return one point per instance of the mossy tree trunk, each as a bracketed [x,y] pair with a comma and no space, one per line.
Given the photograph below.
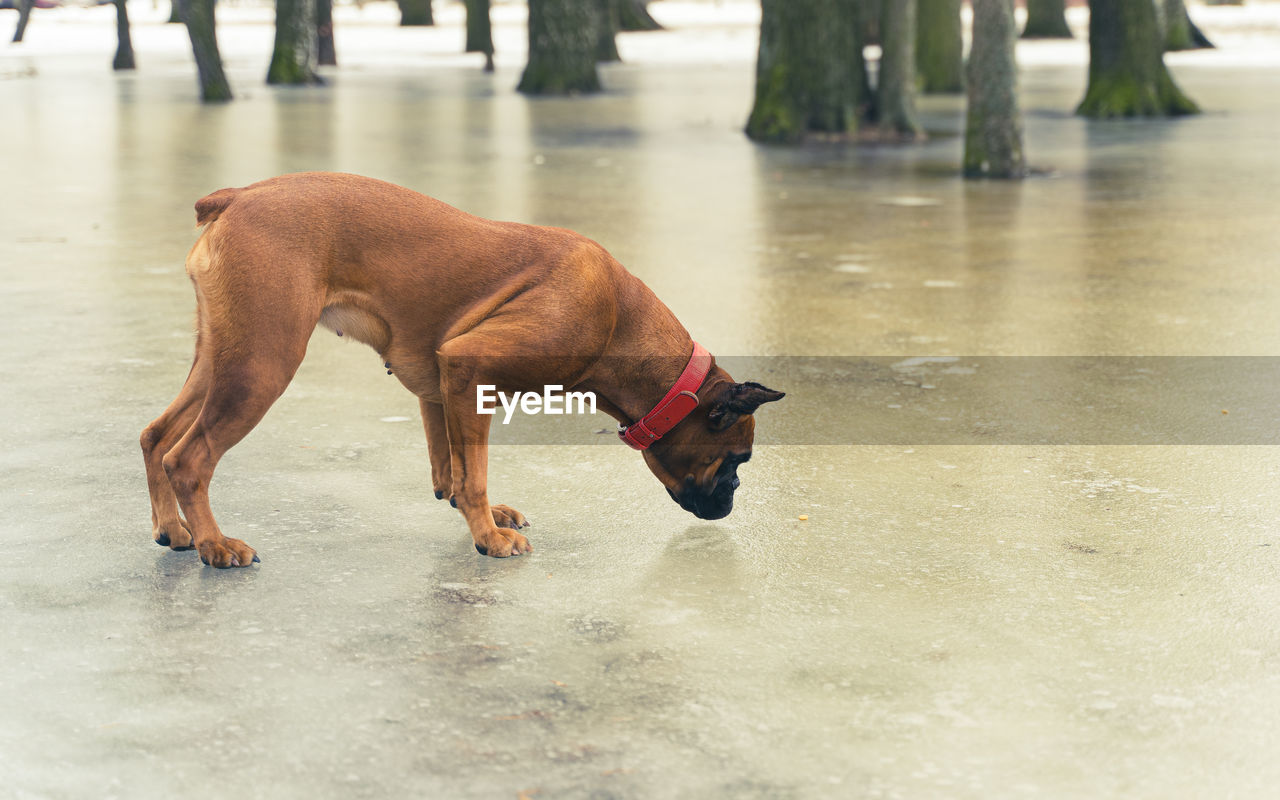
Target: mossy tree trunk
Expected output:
[939,47]
[562,48]
[869,21]
[204,44]
[177,11]
[993,124]
[896,88]
[293,60]
[124,44]
[24,16]
[1180,33]
[633,16]
[1046,19]
[416,12]
[480,31]
[809,72]
[1127,75]
[607,31]
[326,53]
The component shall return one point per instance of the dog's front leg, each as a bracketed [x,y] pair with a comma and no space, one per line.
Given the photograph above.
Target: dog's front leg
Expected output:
[437,448]
[468,435]
[442,466]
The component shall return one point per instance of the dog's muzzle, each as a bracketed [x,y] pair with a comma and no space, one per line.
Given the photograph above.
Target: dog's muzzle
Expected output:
[715,504]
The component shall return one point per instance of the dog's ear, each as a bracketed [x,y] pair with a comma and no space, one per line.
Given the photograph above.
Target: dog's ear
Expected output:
[733,400]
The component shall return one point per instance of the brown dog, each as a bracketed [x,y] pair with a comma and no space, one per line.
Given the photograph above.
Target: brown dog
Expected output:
[451,302]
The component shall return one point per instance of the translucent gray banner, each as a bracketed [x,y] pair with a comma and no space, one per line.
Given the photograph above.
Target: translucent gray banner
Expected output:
[1000,400]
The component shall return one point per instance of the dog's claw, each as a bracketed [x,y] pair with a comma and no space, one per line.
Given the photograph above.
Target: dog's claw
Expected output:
[453,501]
[256,560]
[440,495]
[481,549]
[162,540]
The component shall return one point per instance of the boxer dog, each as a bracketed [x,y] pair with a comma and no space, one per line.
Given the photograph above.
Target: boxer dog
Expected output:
[450,301]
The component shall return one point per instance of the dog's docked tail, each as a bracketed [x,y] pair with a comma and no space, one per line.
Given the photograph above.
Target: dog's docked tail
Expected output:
[208,208]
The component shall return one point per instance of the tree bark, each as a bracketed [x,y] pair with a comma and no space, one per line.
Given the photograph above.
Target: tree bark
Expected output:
[293,59]
[1127,75]
[633,16]
[326,54]
[562,48]
[177,11]
[124,44]
[415,12]
[1046,19]
[896,92]
[607,31]
[204,44]
[809,71]
[1180,33]
[939,47]
[480,31]
[993,125]
[24,16]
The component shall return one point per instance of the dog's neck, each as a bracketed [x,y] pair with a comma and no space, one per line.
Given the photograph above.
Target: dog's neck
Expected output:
[647,352]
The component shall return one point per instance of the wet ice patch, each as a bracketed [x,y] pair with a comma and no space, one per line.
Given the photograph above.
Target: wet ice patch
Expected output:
[910,201]
[941,284]
[856,269]
[1171,701]
[910,364]
[395,419]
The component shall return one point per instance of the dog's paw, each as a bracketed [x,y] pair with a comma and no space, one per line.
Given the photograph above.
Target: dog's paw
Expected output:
[502,543]
[175,536]
[227,552]
[508,517]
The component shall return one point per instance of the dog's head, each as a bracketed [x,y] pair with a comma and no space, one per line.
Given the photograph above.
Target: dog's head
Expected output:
[698,459]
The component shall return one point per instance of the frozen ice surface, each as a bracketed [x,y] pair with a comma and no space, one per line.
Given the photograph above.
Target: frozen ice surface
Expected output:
[960,622]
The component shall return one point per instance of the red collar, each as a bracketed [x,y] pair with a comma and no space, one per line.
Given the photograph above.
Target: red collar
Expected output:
[681,399]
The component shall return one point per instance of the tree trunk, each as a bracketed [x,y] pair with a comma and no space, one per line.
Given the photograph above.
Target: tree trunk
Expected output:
[415,12]
[607,30]
[939,47]
[24,15]
[1180,33]
[896,90]
[562,48]
[1127,75]
[1046,19]
[993,126]
[869,21]
[293,60]
[326,54]
[177,11]
[204,44]
[633,16]
[809,72]
[124,45]
[480,31]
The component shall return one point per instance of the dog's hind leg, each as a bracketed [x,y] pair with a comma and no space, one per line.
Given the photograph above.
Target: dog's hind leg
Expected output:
[253,336]
[167,527]
[240,393]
